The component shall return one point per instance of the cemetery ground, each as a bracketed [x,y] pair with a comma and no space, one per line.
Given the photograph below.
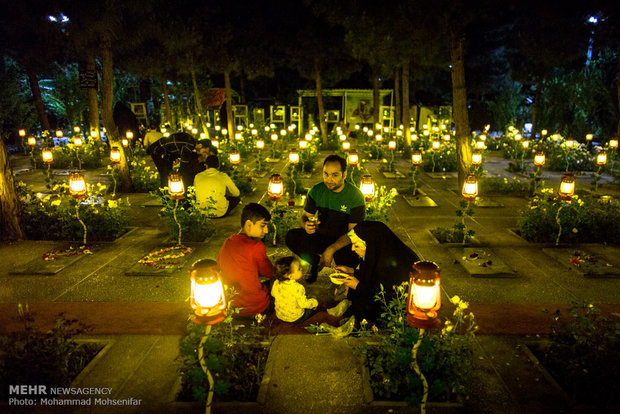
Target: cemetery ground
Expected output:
[141,315]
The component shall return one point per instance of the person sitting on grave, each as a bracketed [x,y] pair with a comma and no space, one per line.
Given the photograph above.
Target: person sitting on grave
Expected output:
[215,189]
[332,208]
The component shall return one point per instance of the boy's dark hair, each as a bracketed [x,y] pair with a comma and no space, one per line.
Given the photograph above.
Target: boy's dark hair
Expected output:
[336,158]
[212,161]
[282,267]
[254,212]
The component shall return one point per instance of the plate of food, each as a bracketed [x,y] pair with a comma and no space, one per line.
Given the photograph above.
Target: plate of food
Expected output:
[338,278]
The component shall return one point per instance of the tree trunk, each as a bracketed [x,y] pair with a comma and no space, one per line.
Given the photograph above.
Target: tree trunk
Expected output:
[107,98]
[198,99]
[618,83]
[93,102]
[229,111]
[406,114]
[459,102]
[38,101]
[375,99]
[167,102]
[536,109]
[10,228]
[398,120]
[319,100]
[242,88]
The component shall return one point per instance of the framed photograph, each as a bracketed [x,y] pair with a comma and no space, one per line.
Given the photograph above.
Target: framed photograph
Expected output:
[278,113]
[332,116]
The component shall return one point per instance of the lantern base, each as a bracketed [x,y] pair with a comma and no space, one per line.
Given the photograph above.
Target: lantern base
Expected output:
[428,323]
[208,320]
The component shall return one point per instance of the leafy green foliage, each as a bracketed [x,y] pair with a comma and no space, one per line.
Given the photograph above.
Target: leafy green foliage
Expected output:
[440,160]
[502,185]
[283,219]
[144,178]
[379,208]
[195,223]
[89,156]
[459,233]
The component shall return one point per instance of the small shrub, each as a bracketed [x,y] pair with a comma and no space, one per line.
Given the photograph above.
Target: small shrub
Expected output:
[379,208]
[499,185]
[195,223]
[143,178]
[283,219]
[441,160]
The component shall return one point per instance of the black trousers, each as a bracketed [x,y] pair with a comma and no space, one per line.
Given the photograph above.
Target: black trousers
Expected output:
[309,247]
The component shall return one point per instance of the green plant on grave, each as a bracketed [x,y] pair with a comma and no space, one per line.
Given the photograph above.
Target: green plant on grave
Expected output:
[283,219]
[583,346]
[379,208]
[66,156]
[445,357]
[52,217]
[440,160]
[503,185]
[144,179]
[579,158]
[459,233]
[194,220]
[234,353]
[292,183]
[52,358]
[584,220]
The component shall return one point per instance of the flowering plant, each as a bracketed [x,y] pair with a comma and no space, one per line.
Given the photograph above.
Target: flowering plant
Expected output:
[379,208]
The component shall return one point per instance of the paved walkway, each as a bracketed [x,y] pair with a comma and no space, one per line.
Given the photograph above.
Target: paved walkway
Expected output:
[143,317]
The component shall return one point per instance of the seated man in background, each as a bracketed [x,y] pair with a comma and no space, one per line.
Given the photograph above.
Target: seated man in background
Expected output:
[215,189]
[243,259]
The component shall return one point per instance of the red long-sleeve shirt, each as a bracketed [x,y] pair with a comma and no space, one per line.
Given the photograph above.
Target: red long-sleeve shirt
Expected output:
[242,261]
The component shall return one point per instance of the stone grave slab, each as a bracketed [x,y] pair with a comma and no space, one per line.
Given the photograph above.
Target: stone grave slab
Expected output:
[151,202]
[268,159]
[21,171]
[258,174]
[419,200]
[393,175]
[40,266]
[486,202]
[583,262]
[161,268]
[481,262]
[442,175]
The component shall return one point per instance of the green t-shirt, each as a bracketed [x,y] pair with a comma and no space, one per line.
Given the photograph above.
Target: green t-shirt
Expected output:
[336,210]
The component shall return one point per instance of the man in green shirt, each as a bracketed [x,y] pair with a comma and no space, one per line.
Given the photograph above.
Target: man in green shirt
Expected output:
[332,208]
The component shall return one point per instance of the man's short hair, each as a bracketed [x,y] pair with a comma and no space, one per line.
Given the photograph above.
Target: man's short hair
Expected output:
[336,158]
[254,212]
[212,161]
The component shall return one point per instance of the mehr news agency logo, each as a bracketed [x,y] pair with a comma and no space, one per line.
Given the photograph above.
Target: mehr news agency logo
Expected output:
[43,395]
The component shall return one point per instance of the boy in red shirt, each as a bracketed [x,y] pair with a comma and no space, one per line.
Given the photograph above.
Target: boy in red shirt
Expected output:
[243,258]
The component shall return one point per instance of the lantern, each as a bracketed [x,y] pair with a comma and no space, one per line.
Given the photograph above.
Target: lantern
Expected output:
[115,155]
[207,293]
[215,143]
[370,133]
[399,133]
[392,144]
[570,143]
[59,133]
[224,131]
[32,141]
[424,295]
[543,132]
[22,133]
[556,136]
[203,135]
[378,126]
[217,128]
[386,129]
[567,187]
[129,135]
[47,156]
[125,142]
[589,137]
[94,133]
[238,136]
[357,127]
[480,145]
[274,137]
[613,143]
[353,158]
[539,159]
[378,137]
[470,188]
[303,144]
[308,137]
[414,137]
[416,158]
[367,187]
[518,137]
[283,132]
[526,144]
[476,158]
[293,157]
[446,137]
[77,185]
[275,189]
[601,158]
[482,137]
[346,145]
[239,127]
[77,141]
[76,129]
[176,187]
[235,157]
[435,145]
[260,144]
[342,137]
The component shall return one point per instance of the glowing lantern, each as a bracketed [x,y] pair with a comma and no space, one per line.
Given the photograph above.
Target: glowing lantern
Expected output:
[125,142]
[32,141]
[239,127]
[518,137]
[567,187]
[215,143]
[556,136]
[342,137]
[357,127]
[399,133]
[283,132]
[275,189]
[207,293]
[589,137]
[224,131]
[77,141]
[94,133]
[59,133]
[274,137]
[543,132]
[346,145]
[446,137]
[378,126]
[176,188]
[47,156]
[76,129]
[235,157]
[353,158]
[129,134]
[303,144]
[367,187]
[22,133]
[539,159]
[386,129]
[267,129]
[371,133]
[260,144]
[416,158]
[365,129]
[203,135]
[414,137]
[392,144]
[482,137]
[526,144]
[613,143]
[570,143]
[476,158]
[308,137]
[115,155]
[217,128]
[238,136]
[77,185]
[601,158]
[470,188]
[425,132]
[293,157]
[424,295]
[435,145]
[254,132]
